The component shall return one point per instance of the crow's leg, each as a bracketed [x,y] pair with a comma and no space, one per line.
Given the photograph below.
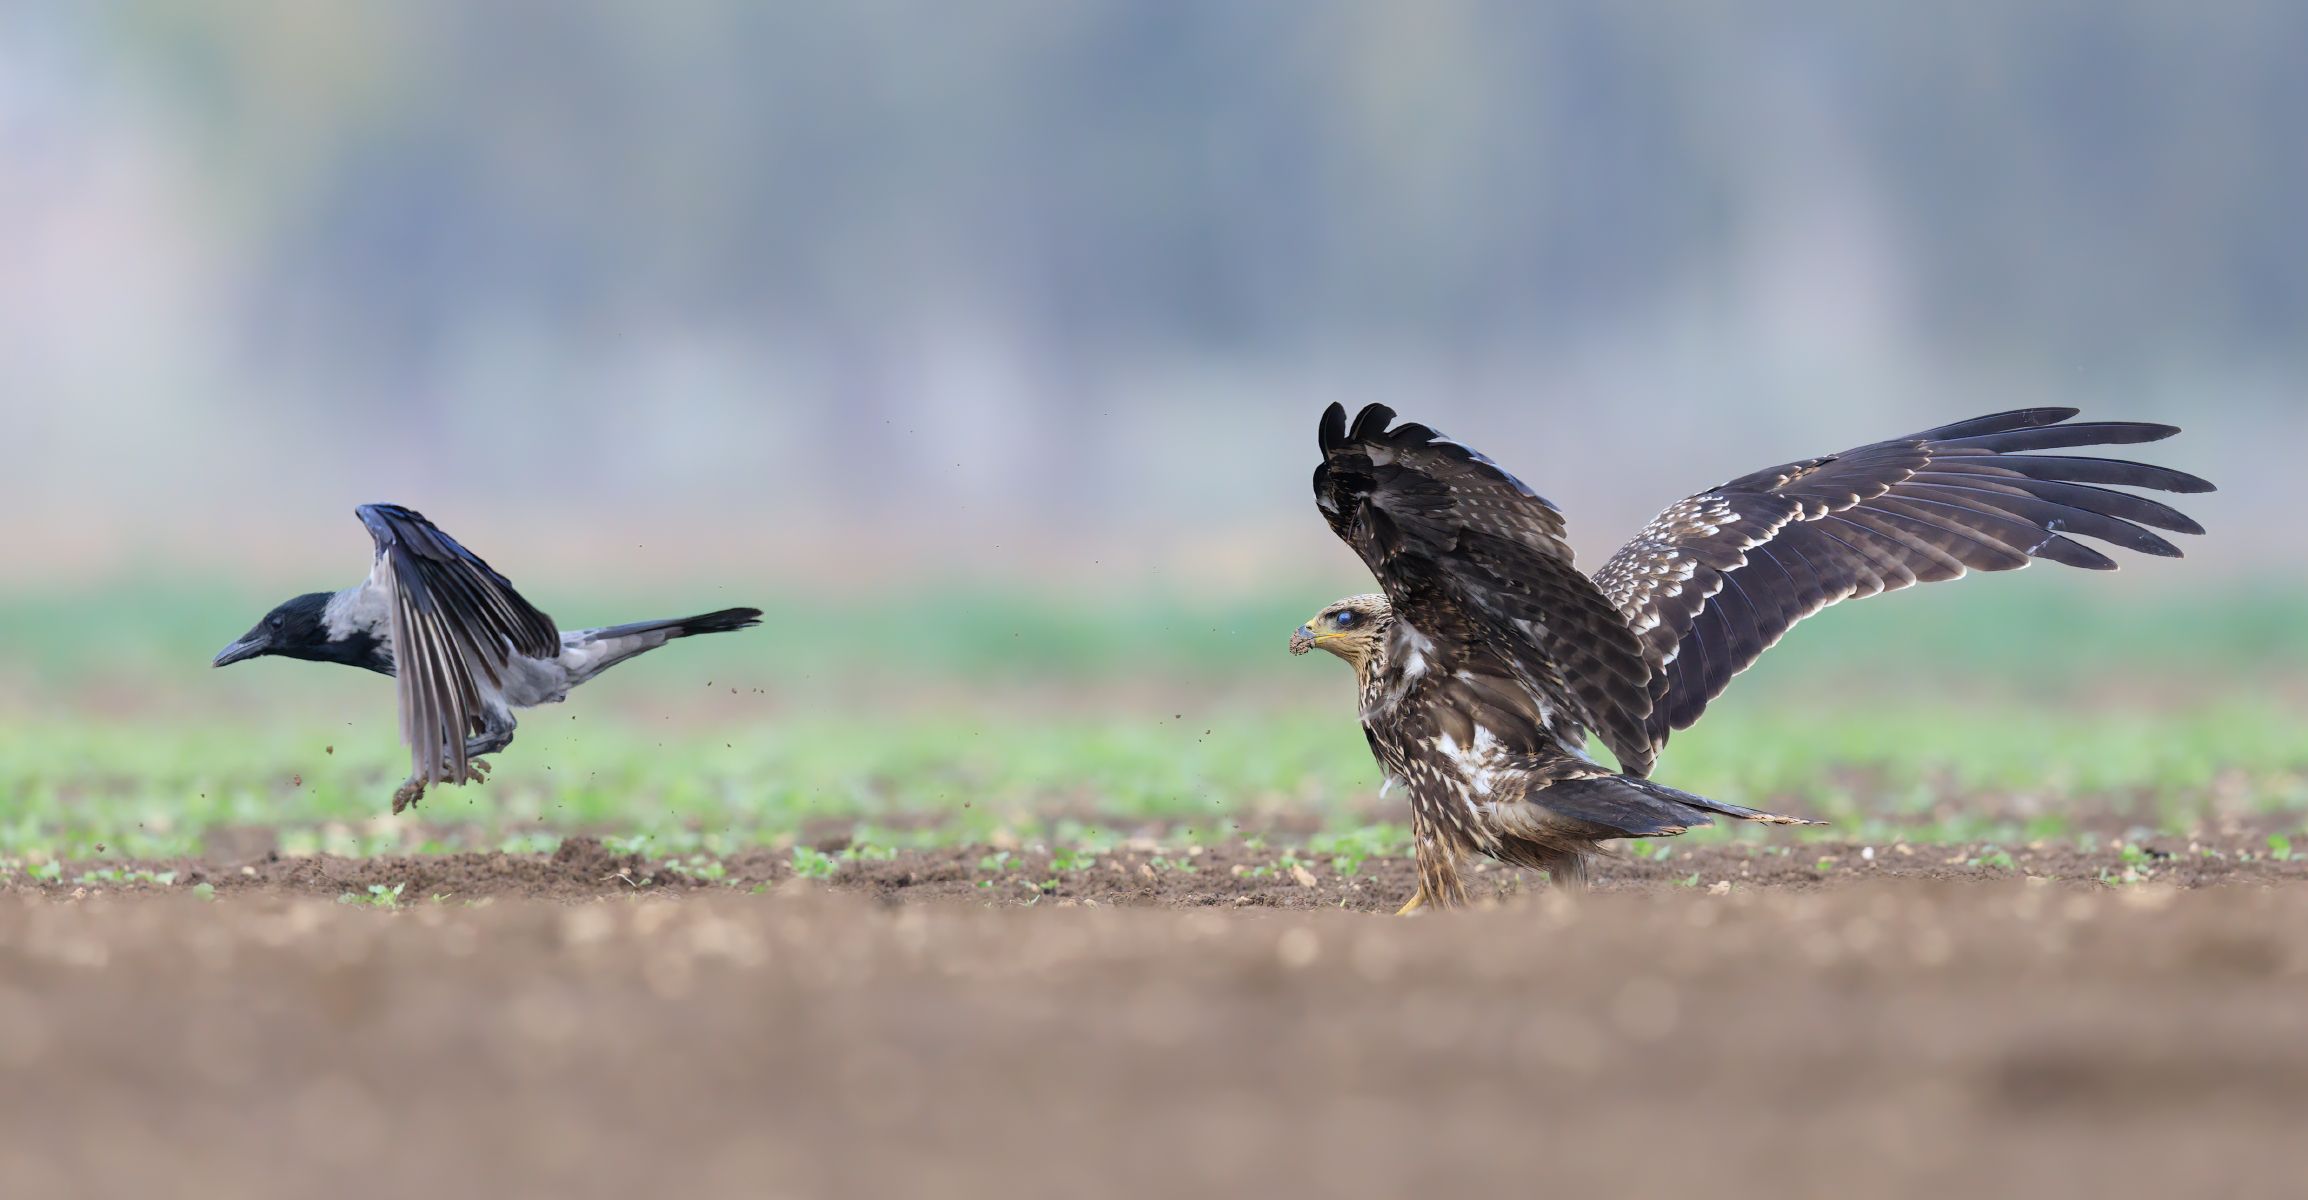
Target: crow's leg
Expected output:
[495,735]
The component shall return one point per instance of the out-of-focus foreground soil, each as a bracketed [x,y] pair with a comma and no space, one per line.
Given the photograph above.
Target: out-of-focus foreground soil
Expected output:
[1897,1036]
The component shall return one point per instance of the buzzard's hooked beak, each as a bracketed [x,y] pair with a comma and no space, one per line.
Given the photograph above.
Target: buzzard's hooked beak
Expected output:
[247,647]
[1302,641]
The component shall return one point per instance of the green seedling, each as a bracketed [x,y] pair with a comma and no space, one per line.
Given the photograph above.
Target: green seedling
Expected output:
[377,896]
[811,863]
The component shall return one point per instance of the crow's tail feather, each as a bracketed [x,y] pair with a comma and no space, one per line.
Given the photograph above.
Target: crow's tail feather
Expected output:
[728,620]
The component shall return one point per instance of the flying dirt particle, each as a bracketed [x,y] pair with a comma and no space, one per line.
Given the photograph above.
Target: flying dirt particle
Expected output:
[100,847]
[328,749]
[296,781]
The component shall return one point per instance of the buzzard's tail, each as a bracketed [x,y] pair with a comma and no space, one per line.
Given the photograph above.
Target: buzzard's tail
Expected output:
[1630,807]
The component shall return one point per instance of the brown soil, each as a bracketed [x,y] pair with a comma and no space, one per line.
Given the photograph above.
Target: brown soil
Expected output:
[1900,1036]
[1232,876]
[1754,1019]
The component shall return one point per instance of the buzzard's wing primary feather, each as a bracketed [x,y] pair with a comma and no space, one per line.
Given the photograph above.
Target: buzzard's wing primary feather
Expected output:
[1475,562]
[1716,579]
[456,625]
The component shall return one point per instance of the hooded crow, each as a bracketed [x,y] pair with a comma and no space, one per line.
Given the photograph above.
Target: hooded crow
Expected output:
[464,648]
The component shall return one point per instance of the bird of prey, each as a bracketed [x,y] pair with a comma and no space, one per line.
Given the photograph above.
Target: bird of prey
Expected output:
[463,647]
[1490,657]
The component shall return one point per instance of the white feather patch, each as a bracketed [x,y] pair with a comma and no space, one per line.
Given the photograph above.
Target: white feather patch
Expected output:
[1412,649]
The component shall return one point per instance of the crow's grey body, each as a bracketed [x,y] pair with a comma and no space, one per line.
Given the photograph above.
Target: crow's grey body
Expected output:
[463,647]
[528,682]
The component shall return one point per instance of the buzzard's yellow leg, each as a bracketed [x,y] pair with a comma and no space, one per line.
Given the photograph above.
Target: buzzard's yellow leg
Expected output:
[1417,900]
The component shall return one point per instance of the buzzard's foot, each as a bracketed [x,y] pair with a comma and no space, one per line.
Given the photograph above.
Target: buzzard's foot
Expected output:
[477,771]
[406,798]
[1417,901]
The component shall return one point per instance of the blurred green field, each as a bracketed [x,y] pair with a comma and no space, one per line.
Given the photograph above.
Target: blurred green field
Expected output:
[2040,624]
[1988,712]
[1925,771]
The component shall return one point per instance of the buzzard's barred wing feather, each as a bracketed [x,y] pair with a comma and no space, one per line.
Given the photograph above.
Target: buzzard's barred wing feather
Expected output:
[456,624]
[1476,562]
[1719,577]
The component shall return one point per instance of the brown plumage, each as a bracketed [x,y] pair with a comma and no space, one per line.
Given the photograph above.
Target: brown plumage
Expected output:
[1490,657]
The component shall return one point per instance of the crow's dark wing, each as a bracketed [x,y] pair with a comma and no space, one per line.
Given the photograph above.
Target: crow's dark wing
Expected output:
[1475,562]
[456,625]
[1716,579]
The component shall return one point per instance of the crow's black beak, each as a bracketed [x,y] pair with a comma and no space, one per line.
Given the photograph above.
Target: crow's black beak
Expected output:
[247,647]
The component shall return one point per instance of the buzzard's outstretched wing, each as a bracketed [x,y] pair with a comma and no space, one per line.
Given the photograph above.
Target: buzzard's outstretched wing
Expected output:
[1716,579]
[456,625]
[1474,561]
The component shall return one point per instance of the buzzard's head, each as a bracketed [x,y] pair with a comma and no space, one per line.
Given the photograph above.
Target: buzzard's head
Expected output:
[1353,629]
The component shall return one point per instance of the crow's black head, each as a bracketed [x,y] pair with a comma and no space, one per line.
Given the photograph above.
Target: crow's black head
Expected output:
[296,629]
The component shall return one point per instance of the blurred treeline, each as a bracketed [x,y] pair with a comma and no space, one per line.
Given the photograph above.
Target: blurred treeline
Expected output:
[1076,264]
[409,178]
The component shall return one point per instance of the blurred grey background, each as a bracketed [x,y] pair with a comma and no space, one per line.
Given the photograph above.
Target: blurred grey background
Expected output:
[1055,289]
